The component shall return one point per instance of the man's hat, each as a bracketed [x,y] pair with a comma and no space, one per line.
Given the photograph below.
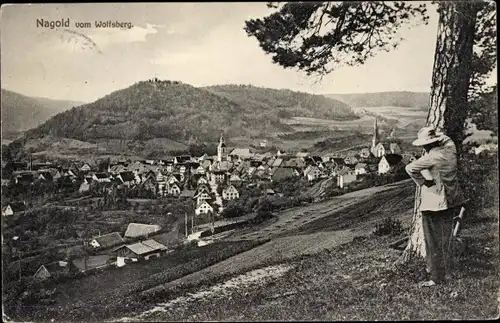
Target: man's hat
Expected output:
[427,135]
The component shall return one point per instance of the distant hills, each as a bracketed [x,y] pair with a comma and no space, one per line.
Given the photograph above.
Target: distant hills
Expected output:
[417,100]
[156,117]
[186,114]
[20,112]
[285,103]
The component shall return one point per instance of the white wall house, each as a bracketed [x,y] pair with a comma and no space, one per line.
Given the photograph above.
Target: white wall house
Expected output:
[203,208]
[230,193]
[345,176]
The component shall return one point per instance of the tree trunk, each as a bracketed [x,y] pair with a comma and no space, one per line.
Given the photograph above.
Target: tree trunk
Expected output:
[450,83]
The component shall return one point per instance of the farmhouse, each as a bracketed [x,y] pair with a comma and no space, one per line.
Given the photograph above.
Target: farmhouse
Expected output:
[143,250]
[135,230]
[107,240]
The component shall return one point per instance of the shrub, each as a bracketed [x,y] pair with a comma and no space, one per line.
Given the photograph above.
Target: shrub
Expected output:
[389,226]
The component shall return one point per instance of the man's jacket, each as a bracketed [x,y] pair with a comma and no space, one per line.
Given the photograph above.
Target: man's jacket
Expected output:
[441,162]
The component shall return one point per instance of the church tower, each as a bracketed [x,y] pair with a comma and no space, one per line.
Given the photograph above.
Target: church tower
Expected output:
[375,134]
[221,149]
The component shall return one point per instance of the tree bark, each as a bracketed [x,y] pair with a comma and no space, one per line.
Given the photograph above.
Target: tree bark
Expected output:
[450,84]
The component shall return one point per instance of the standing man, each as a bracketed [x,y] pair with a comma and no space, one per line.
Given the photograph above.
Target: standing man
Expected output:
[441,196]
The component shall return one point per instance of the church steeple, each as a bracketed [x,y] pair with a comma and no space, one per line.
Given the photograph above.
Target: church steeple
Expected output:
[221,149]
[375,133]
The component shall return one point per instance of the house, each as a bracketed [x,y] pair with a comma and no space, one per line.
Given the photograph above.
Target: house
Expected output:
[13,208]
[107,240]
[149,184]
[45,176]
[345,176]
[202,196]
[360,168]
[235,178]
[388,162]
[219,176]
[68,172]
[202,188]
[135,230]
[137,167]
[350,160]
[200,170]
[282,173]
[127,178]
[101,178]
[143,250]
[117,169]
[56,267]
[312,173]
[338,161]
[85,167]
[382,149]
[174,179]
[203,208]
[230,193]
[174,190]
[179,160]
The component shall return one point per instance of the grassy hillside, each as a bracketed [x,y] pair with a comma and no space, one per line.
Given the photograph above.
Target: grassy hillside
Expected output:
[407,99]
[20,112]
[285,103]
[170,110]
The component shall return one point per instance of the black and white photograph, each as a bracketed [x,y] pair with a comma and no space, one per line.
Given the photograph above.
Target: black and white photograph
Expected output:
[249,161]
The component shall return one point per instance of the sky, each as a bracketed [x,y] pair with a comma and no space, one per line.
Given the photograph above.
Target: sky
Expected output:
[196,43]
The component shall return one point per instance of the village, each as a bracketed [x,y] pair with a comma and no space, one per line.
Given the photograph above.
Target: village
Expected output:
[210,183]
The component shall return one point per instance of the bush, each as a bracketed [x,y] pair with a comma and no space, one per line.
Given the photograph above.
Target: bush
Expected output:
[389,226]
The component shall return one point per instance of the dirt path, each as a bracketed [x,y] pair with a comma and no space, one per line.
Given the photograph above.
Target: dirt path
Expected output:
[222,290]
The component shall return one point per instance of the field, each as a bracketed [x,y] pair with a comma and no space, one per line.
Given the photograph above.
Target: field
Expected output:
[292,238]
[82,298]
[351,281]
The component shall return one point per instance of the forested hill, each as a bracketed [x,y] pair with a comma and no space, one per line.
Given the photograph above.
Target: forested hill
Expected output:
[285,103]
[21,112]
[419,100]
[170,109]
